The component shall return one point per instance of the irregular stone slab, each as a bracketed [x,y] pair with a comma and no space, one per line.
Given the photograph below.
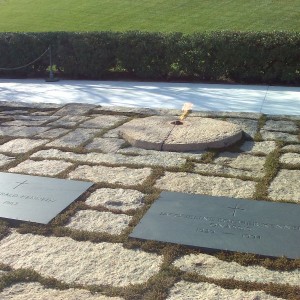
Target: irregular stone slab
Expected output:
[74,138]
[21,145]
[265,148]
[24,123]
[74,109]
[35,291]
[21,131]
[223,170]
[44,167]
[288,117]
[116,199]
[208,185]
[157,133]
[79,262]
[95,221]
[114,159]
[210,291]
[163,154]
[4,160]
[40,117]
[121,109]
[69,121]
[290,158]
[104,121]
[249,126]
[105,145]
[53,133]
[281,136]
[29,105]
[226,114]
[115,175]
[292,148]
[282,126]
[241,161]
[212,267]
[286,186]
[113,133]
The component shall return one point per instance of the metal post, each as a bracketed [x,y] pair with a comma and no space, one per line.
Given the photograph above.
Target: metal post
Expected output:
[51,75]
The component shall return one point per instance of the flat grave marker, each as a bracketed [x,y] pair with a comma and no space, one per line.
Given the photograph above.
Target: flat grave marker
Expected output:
[36,199]
[222,223]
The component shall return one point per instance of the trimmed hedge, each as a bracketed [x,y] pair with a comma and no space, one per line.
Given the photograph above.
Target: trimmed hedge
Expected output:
[244,57]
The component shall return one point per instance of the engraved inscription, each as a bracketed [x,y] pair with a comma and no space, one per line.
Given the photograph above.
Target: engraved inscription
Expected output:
[20,183]
[27,197]
[10,203]
[235,209]
[231,223]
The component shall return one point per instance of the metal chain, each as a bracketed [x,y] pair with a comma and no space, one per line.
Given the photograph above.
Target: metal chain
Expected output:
[17,68]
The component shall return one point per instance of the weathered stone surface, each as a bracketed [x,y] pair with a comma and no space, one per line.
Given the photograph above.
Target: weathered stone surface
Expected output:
[69,120]
[157,133]
[113,133]
[282,126]
[163,154]
[53,133]
[281,136]
[74,138]
[105,145]
[226,114]
[241,161]
[21,145]
[249,126]
[223,170]
[35,291]
[75,109]
[290,158]
[95,221]
[258,147]
[286,186]
[44,167]
[121,109]
[4,160]
[213,267]
[209,291]
[14,112]
[24,123]
[292,148]
[208,185]
[122,199]
[114,159]
[39,117]
[79,262]
[21,131]
[115,175]
[103,121]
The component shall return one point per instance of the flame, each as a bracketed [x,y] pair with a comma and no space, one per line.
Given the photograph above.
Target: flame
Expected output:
[186,108]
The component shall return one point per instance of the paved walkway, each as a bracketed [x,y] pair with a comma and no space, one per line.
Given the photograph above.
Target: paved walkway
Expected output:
[86,253]
[205,97]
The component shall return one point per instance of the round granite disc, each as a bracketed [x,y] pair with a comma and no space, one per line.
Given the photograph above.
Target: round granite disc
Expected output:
[195,133]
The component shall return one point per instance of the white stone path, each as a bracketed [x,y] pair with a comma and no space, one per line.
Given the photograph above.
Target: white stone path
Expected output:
[205,97]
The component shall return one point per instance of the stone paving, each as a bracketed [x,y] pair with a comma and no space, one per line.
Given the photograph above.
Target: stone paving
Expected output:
[85,252]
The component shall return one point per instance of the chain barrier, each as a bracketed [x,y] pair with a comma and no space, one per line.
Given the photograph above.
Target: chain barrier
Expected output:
[21,67]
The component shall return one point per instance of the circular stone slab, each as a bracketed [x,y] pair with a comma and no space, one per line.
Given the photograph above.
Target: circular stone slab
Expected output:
[195,133]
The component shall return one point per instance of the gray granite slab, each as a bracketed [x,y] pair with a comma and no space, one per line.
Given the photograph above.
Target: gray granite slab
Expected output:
[36,199]
[222,223]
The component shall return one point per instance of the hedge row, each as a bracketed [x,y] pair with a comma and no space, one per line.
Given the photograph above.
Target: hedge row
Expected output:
[244,57]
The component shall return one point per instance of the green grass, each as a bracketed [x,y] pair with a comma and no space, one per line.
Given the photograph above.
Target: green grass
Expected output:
[149,15]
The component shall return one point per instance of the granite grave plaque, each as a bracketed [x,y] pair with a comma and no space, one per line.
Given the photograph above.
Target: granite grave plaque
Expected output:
[222,223]
[36,199]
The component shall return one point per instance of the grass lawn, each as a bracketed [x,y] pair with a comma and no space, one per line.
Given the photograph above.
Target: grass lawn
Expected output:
[154,15]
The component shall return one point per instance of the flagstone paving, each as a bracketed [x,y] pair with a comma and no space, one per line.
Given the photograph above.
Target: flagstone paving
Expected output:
[85,253]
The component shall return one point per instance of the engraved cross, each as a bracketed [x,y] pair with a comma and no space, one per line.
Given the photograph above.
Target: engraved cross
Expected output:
[20,183]
[235,209]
